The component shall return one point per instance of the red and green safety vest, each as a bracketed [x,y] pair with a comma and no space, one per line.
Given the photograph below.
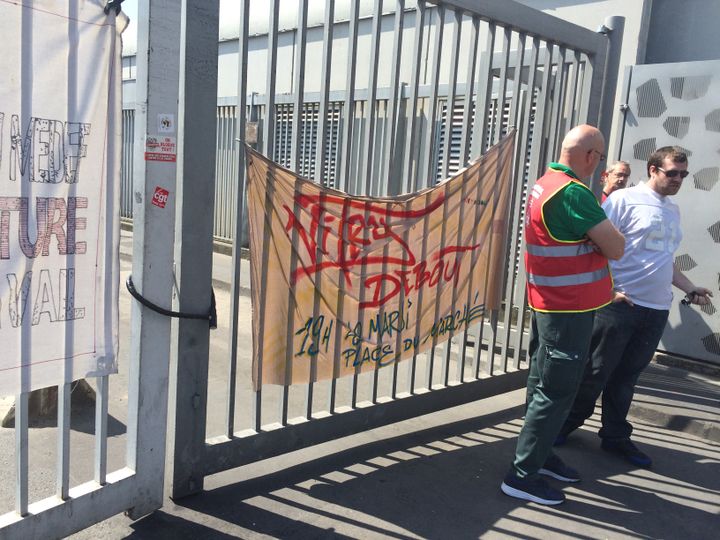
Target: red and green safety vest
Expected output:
[562,276]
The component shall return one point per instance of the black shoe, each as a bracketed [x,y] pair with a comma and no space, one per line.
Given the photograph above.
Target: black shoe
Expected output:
[628,450]
[534,490]
[555,468]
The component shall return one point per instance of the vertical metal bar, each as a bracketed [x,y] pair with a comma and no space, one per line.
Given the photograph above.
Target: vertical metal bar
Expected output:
[517,81]
[502,90]
[21,453]
[295,140]
[516,197]
[430,157]
[539,145]
[269,123]
[390,158]
[469,90]
[322,178]
[485,81]
[101,423]
[449,116]
[391,132]
[535,169]
[240,197]
[370,186]
[464,146]
[478,143]
[557,103]
[411,177]
[430,175]
[574,89]
[299,86]
[62,486]
[197,106]
[349,110]
[585,89]
[519,291]
[268,142]
[321,152]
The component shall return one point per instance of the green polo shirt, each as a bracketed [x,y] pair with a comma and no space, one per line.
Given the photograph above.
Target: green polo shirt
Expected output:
[572,211]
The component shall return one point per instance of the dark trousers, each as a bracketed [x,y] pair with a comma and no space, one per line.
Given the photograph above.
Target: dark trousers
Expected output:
[558,348]
[624,340]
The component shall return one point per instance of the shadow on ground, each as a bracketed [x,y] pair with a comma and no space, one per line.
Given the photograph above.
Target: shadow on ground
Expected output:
[443,483]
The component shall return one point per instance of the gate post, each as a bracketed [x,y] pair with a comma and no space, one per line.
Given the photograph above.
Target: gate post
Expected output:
[613,28]
[194,241]
[154,229]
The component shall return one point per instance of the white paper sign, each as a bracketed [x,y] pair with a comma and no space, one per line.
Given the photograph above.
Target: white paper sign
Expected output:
[60,141]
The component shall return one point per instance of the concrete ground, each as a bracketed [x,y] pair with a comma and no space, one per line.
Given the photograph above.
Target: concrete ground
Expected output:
[435,476]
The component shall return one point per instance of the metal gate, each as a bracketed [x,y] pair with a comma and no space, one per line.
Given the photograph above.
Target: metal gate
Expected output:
[134,482]
[677,104]
[451,78]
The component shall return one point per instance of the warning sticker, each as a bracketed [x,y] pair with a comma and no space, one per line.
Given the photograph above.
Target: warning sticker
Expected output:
[160,149]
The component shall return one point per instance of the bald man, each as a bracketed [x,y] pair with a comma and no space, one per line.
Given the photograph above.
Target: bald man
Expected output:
[614,177]
[569,240]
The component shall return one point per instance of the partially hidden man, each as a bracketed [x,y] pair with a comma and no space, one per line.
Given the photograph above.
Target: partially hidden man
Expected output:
[626,334]
[569,241]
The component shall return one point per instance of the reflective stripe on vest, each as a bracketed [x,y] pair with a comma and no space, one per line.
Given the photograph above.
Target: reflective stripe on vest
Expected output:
[566,281]
[559,251]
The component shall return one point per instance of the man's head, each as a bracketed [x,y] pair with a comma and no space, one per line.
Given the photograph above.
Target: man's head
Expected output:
[583,148]
[615,177]
[666,168]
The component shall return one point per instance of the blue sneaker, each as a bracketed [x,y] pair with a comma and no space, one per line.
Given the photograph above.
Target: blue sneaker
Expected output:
[555,468]
[628,450]
[534,490]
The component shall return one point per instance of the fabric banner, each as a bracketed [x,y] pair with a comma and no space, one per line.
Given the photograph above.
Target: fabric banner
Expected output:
[60,141]
[344,284]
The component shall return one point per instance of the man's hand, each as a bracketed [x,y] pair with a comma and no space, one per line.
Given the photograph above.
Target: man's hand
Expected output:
[619,296]
[699,296]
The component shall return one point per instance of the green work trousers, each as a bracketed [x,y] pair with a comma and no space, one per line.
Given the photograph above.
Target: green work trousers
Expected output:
[559,346]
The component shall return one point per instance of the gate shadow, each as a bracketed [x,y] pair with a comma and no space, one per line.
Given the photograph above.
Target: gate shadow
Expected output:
[442,482]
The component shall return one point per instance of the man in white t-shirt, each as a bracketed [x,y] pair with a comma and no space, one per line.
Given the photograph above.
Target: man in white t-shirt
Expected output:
[626,334]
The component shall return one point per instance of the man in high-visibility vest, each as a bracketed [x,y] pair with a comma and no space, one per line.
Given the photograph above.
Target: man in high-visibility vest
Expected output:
[626,334]
[568,243]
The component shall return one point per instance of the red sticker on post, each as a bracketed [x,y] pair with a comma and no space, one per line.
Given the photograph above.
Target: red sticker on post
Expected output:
[160,197]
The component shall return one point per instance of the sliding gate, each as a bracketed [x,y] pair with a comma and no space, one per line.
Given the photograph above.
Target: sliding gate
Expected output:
[378,111]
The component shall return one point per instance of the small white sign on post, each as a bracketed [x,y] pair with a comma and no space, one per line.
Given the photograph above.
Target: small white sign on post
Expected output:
[60,141]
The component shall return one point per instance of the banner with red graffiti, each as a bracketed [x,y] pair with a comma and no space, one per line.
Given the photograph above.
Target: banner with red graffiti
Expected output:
[343,284]
[60,140]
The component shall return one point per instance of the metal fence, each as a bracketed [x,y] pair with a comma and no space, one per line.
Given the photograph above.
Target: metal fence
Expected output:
[499,64]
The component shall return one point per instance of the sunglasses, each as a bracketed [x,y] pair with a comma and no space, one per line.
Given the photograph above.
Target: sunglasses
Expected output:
[673,173]
[602,156]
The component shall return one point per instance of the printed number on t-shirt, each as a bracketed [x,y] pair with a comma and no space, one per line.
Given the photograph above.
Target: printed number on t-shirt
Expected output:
[662,236]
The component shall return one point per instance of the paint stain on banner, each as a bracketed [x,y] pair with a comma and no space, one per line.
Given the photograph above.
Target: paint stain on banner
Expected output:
[160,148]
[160,197]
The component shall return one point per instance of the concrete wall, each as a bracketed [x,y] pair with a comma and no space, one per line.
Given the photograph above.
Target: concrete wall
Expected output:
[683,31]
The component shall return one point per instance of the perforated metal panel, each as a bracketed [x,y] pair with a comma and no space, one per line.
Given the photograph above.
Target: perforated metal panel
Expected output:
[677,104]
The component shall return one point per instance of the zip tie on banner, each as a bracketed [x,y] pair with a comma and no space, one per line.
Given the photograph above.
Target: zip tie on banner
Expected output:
[210,317]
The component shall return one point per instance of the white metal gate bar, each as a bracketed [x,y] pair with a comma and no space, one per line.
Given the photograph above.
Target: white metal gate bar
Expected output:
[523,69]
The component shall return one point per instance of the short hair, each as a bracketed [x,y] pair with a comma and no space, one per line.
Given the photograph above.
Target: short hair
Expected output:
[675,153]
[614,164]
